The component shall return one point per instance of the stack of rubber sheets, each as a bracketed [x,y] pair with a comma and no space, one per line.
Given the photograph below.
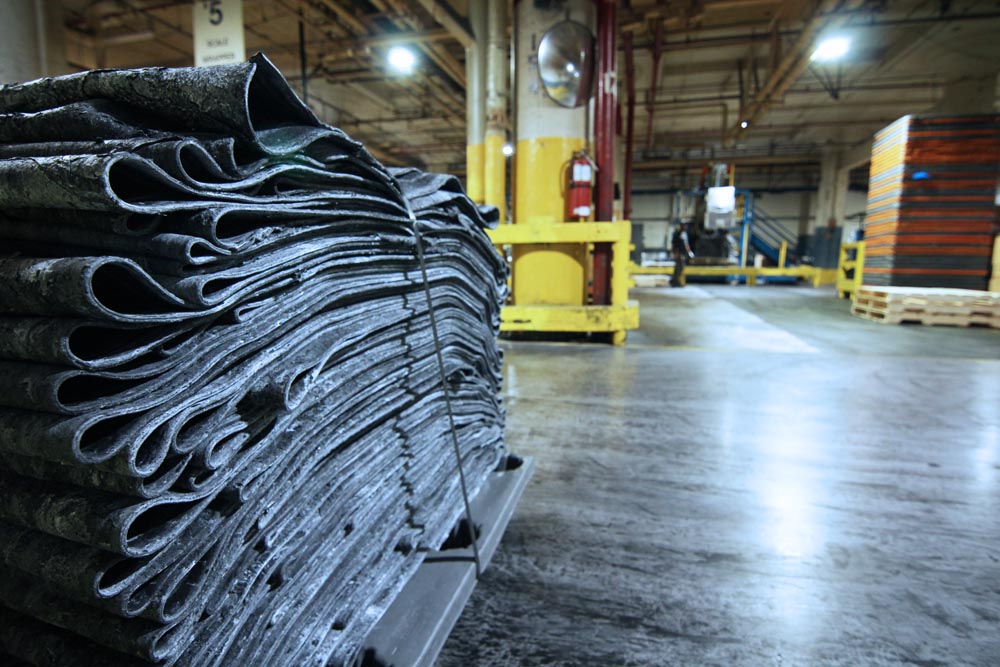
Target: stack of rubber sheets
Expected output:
[931,194]
[223,433]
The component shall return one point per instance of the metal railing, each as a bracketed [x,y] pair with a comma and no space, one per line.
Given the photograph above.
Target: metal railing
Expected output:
[768,236]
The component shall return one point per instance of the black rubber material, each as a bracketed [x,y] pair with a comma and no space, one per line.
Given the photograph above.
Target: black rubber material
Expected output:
[222,428]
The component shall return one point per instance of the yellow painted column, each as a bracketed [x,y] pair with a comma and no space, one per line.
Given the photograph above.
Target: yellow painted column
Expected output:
[497,69]
[495,172]
[474,173]
[475,103]
[541,178]
[547,137]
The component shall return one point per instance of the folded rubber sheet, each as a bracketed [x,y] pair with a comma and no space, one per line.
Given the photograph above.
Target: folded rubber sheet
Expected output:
[223,430]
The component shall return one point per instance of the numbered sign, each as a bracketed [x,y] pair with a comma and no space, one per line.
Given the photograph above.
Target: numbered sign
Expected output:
[218,32]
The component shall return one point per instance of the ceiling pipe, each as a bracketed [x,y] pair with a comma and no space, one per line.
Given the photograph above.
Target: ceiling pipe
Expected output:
[657,51]
[629,124]
[346,48]
[689,163]
[767,32]
[793,128]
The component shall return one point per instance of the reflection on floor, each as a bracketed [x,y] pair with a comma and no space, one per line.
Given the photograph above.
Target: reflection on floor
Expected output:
[757,479]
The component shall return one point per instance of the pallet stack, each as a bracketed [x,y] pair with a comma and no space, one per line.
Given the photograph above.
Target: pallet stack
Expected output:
[928,305]
[930,212]
[995,271]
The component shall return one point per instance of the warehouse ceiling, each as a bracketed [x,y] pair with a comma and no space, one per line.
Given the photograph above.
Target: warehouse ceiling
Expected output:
[723,62]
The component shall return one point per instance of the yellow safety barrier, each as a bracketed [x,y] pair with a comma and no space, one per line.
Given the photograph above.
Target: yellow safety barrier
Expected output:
[818,276]
[850,272]
[616,318]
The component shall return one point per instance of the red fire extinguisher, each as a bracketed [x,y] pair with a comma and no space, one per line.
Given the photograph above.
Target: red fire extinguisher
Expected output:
[581,186]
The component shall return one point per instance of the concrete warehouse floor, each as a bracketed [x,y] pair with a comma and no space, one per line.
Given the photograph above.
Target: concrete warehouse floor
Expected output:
[758,479]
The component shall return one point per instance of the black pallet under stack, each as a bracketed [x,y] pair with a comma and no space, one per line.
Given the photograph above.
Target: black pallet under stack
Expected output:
[224,437]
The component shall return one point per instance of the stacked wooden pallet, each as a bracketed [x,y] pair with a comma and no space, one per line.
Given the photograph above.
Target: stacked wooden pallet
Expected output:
[995,271]
[928,305]
[931,195]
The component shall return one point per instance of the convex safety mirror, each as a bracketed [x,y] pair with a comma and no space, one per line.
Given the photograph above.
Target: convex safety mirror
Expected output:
[566,63]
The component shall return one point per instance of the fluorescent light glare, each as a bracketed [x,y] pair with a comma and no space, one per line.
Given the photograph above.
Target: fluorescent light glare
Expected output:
[402,59]
[832,48]
[744,124]
[508,150]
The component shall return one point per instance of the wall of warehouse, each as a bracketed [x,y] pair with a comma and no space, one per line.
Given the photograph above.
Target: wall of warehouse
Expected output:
[797,210]
[653,211]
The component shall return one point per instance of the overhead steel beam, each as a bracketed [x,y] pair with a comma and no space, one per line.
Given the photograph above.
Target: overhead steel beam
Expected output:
[351,47]
[110,39]
[732,5]
[454,24]
[795,62]
[699,162]
[344,16]
[401,16]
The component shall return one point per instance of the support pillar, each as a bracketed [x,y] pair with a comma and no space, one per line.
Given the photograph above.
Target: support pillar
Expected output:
[497,69]
[547,137]
[606,107]
[605,134]
[805,213]
[832,193]
[475,103]
[23,54]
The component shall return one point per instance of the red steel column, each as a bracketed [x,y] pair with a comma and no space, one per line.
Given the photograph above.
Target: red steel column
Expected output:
[604,138]
[654,79]
[629,125]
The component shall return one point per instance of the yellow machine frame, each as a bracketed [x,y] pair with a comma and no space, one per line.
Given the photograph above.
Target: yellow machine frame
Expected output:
[616,318]
[817,276]
[848,287]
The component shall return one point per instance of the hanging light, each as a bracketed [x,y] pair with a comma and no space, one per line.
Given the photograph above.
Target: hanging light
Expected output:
[402,59]
[831,49]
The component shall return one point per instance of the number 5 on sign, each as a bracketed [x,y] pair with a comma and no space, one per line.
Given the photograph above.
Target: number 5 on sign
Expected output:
[218,32]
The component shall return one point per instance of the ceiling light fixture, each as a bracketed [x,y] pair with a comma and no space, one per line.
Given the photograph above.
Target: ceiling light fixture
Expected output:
[402,59]
[508,150]
[744,124]
[831,49]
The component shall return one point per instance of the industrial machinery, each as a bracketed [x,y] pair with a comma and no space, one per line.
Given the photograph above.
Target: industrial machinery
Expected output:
[736,240]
